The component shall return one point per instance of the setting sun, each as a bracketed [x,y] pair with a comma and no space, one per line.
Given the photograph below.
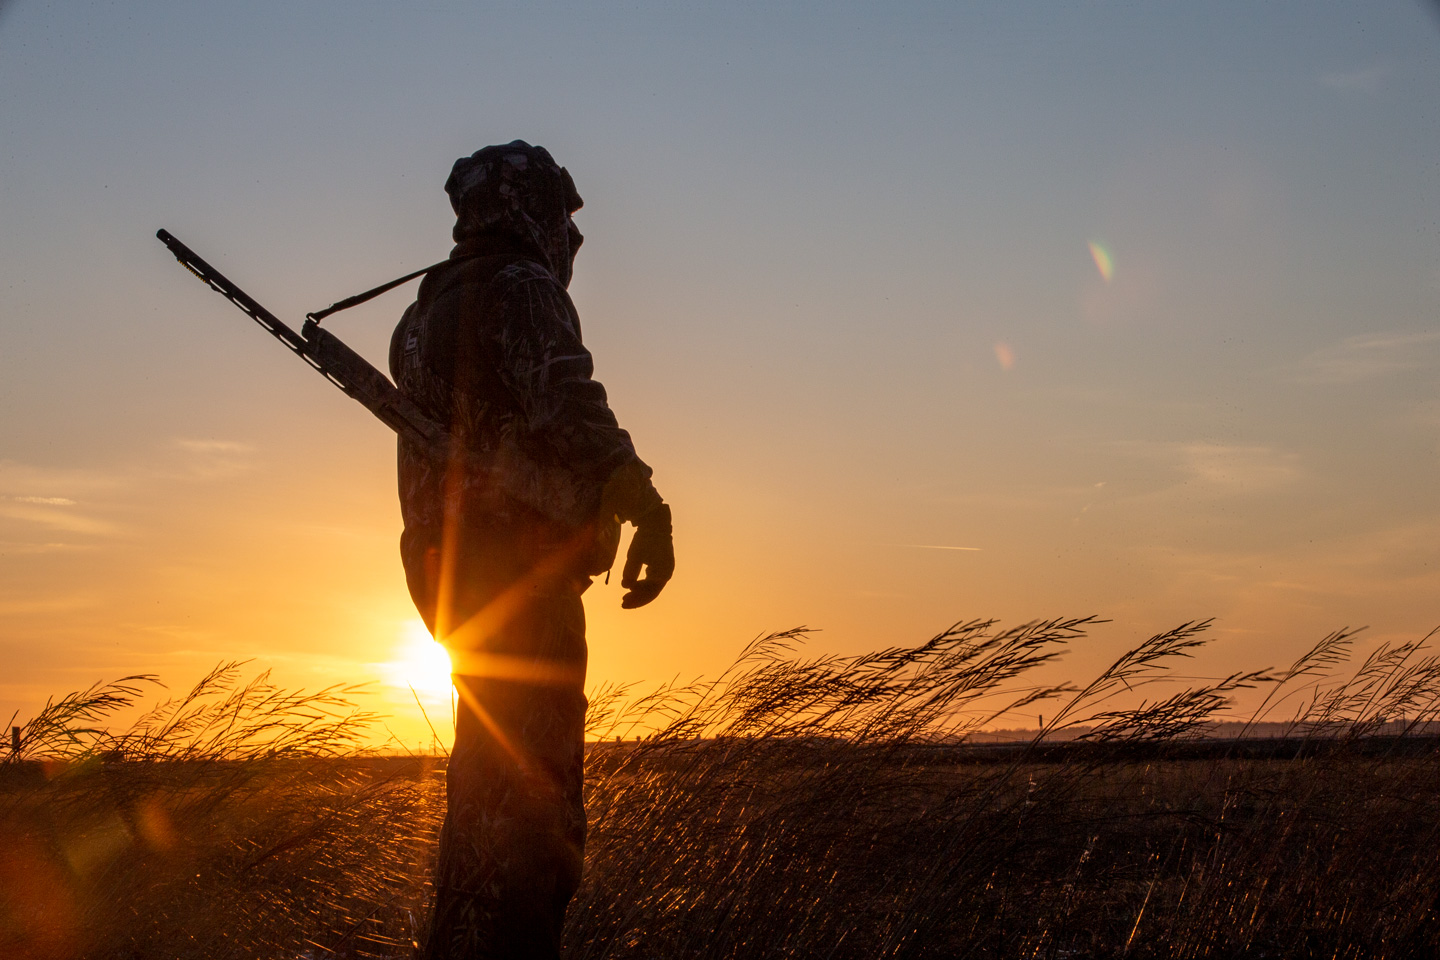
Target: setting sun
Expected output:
[420,662]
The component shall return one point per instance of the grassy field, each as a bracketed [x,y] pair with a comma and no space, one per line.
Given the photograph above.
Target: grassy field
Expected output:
[793,807]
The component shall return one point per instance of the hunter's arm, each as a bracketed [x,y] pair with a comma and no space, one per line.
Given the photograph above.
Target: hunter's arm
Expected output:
[549,372]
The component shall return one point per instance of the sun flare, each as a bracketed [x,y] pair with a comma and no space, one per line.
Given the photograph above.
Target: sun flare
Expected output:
[420,662]
[1104,260]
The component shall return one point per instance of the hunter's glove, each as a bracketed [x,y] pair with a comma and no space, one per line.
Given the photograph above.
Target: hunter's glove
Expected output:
[652,548]
[630,497]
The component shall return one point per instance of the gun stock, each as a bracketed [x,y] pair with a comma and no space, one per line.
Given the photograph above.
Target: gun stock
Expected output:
[353,374]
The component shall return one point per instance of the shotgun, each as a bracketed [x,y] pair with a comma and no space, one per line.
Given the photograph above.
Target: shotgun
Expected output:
[345,368]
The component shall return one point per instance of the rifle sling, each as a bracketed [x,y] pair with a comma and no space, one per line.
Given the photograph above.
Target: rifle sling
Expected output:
[360,298]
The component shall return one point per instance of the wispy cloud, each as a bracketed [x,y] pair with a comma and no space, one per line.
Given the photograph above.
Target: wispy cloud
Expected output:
[27,483]
[57,518]
[1238,468]
[1388,562]
[215,446]
[1367,80]
[216,459]
[1210,468]
[76,500]
[52,497]
[1369,356]
[61,500]
[32,606]
[22,547]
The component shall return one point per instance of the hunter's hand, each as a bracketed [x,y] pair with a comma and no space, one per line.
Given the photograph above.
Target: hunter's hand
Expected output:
[652,548]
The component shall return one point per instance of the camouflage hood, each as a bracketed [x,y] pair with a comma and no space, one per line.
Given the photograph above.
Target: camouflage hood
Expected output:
[519,194]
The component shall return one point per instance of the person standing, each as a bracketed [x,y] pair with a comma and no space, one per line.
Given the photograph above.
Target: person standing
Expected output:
[496,561]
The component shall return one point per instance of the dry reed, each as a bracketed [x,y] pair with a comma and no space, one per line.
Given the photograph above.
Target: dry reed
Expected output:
[795,806]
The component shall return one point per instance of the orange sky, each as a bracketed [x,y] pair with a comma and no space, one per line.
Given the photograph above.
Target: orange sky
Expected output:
[1137,306]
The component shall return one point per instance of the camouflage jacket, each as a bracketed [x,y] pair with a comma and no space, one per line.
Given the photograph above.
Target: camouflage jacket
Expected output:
[492,348]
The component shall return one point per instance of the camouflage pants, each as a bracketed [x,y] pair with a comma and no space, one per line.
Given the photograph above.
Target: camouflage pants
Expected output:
[512,846]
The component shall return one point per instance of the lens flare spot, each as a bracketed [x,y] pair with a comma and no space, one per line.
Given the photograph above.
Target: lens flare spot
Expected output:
[153,824]
[420,662]
[1005,355]
[1104,262]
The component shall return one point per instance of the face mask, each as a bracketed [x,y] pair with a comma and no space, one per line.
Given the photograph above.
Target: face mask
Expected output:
[575,238]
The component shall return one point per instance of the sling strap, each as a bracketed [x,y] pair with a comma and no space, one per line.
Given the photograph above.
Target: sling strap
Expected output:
[360,298]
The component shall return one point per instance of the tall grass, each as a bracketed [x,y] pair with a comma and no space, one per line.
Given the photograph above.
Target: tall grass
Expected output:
[236,820]
[795,806]
[809,807]
[220,718]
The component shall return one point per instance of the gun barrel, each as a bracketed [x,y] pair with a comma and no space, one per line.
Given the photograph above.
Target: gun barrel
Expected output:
[353,374]
[217,281]
[330,357]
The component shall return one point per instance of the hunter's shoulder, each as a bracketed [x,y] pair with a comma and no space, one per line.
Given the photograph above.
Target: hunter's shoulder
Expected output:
[499,276]
[459,274]
[526,273]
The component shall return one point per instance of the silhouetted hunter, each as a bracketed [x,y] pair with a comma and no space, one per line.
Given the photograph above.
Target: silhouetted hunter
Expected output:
[497,561]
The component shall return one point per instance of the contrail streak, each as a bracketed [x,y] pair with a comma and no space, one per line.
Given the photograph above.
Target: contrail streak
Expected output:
[933,546]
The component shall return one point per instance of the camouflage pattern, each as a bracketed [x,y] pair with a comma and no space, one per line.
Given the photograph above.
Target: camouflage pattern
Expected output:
[512,846]
[518,192]
[492,348]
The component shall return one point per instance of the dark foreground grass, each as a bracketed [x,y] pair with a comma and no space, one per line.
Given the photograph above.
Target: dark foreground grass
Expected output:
[794,807]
